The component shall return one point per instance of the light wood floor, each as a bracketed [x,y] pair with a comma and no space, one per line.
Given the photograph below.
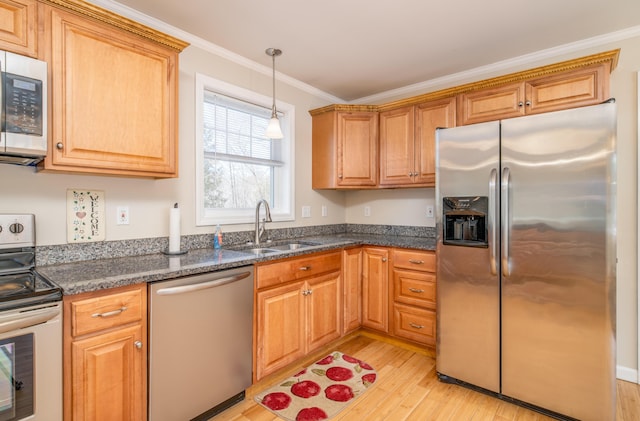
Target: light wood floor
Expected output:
[407,388]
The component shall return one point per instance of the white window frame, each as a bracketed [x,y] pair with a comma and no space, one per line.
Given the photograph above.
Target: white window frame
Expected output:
[286,114]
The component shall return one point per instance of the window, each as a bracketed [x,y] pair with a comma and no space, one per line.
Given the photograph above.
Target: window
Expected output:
[236,164]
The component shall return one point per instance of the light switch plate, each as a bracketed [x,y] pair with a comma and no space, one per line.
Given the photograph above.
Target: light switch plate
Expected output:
[306,211]
[123,215]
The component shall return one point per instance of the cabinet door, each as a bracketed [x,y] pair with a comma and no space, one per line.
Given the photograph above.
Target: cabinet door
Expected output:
[18,26]
[396,147]
[429,117]
[114,99]
[587,86]
[280,324]
[352,279]
[107,373]
[323,301]
[375,288]
[357,149]
[491,104]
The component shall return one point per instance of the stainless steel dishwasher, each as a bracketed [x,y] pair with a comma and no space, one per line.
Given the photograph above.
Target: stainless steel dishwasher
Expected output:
[200,336]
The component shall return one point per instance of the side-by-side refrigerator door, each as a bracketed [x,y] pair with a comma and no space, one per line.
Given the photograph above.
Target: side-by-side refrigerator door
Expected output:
[468,312]
[558,302]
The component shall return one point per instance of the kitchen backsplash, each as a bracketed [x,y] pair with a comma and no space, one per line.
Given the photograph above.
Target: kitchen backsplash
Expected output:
[66,253]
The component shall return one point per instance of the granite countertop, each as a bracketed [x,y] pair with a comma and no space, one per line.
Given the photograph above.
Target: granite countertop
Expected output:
[85,276]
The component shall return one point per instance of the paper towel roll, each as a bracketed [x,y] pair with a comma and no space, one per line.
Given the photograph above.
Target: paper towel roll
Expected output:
[174,229]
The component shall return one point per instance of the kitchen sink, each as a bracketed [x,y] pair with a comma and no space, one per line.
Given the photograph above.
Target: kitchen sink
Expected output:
[261,250]
[276,247]
[297,245]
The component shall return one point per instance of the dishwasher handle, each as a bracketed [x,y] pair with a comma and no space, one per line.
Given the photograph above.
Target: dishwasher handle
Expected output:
[182,289]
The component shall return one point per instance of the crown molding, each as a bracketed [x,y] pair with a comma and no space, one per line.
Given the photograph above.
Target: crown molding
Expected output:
[438,83]
[212,48]
[502,66]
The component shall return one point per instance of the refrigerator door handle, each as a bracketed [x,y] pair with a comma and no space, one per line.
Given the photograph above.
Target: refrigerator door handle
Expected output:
[493,211]
[506,221]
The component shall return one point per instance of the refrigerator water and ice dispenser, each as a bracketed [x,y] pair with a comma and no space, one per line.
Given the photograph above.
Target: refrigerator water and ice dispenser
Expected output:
[465,221]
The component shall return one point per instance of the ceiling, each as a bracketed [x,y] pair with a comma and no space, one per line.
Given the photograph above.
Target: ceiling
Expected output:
[359,48]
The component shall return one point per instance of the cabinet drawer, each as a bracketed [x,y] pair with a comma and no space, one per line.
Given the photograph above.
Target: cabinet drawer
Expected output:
[415,324]
[104,312]
[415,288]
[296,268]
[414,260]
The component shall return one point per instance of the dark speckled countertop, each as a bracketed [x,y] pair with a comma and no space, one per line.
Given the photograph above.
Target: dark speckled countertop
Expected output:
[84,276]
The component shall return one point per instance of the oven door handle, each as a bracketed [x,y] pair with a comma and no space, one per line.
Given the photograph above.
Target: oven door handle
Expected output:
[24,320]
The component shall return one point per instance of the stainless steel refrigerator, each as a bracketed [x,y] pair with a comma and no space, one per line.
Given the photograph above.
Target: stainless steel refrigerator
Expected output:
[526,259]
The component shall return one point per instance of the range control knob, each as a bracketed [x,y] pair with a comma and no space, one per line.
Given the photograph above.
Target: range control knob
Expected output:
[16,228]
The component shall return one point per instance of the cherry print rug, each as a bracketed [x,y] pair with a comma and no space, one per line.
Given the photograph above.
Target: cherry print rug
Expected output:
[321,390]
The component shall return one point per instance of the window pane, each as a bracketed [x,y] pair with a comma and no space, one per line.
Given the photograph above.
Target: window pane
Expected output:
[236,185]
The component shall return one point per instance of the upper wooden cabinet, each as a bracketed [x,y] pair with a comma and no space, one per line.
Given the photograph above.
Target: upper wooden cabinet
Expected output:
[18,26]
[577,88]
[407,142]
[114,93]
[345,149]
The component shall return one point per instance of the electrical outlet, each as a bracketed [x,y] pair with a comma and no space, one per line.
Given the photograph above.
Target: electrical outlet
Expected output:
[306,211]
[429,211]
[123,215]
[324,210]
[367,211]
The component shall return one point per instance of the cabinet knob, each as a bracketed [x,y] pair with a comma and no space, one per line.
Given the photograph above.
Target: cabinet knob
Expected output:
[528,103]
[138,344]
[384,259]
[520,104]
[59,145]
[305,267]
[340,176]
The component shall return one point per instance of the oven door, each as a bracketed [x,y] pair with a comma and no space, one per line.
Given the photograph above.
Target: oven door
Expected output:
[31,363]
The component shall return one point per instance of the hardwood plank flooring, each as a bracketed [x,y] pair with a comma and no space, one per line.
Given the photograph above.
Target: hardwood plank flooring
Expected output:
[407,388]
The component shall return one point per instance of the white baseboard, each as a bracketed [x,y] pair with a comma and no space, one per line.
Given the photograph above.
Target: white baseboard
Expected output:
[627,374]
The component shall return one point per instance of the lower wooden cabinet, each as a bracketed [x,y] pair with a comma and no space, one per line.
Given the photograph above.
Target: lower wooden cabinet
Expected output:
[414,295]
[298,315]
[105,355]
[375,288]
[352,282]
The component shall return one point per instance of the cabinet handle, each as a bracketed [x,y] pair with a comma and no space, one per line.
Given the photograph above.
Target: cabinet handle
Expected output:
[305,267]
[384,259]
[339,175]
[59,145]
[520,104]
[307,292]
[138,344]
[110,313]
[528,103]
[416,290]
[416,262]
[415,326]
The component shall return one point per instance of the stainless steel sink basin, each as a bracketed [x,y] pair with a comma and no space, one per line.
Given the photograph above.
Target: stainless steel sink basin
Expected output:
[293,245]
[275,247]
[261,250]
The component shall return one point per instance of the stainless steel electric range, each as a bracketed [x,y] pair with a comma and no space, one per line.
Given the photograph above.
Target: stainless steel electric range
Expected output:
[30,328]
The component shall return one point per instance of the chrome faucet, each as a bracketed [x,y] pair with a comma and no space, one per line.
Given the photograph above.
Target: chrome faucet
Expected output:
[267,218]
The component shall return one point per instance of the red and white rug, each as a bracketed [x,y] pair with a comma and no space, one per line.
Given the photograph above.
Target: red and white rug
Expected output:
[321,390]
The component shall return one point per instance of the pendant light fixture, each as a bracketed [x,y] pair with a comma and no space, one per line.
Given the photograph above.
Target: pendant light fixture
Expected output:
[273,129]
